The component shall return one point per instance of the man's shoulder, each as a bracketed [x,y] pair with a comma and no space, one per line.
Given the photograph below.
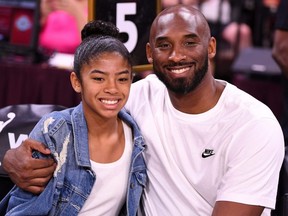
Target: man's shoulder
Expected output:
[238,101]
[146,93]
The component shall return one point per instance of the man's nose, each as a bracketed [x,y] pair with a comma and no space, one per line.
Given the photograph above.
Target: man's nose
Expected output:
[177,55]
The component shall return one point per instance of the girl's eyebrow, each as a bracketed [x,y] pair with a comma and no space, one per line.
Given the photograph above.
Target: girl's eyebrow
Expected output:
[103,72]
[97,71]
[123,72]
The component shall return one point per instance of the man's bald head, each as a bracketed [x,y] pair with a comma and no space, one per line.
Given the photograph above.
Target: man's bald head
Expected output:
[170,18]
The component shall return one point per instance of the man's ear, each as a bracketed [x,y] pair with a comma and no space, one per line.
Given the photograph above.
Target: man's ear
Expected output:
[212,48]
[75,82]
[148,53]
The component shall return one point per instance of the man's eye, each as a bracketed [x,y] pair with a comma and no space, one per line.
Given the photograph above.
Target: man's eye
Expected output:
[163,45]
[190,43]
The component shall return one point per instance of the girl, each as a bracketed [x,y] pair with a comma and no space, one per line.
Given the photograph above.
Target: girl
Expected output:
[98,148]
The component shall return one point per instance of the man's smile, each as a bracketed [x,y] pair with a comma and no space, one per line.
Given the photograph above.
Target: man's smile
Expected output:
[180,70]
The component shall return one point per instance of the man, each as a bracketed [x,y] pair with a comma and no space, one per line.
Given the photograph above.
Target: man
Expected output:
[212,149]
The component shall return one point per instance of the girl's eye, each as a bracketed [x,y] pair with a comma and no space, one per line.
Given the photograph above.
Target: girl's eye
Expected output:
[123,79]
[98,79]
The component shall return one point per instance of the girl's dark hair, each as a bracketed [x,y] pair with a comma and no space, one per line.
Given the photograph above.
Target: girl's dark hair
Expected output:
[98,37]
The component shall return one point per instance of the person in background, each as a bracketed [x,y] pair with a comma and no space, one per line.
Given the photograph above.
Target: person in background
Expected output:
[280,54]
[231,33]
[91,142]
[212,149]
[61,24]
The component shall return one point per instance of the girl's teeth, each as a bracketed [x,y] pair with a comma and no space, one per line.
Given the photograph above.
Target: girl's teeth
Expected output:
[109,101]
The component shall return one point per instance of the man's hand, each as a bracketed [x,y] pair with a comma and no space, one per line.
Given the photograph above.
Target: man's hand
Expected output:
[26,172]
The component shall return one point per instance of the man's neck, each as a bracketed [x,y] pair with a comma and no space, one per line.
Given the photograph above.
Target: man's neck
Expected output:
[200,100]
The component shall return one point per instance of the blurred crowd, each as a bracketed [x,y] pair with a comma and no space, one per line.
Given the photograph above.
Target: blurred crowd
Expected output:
[61,23]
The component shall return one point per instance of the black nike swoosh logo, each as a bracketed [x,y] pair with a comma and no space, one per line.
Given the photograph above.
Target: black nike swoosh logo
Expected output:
[205,155]
[208,153]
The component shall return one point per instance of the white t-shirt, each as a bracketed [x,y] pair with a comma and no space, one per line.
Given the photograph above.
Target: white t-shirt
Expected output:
[109,191]
[240,139]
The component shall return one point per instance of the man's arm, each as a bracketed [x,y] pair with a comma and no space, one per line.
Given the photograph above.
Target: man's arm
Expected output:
[280,50]
[225,208]
[26,172]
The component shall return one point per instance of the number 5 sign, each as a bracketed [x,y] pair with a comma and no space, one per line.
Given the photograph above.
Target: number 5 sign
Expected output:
[133,18]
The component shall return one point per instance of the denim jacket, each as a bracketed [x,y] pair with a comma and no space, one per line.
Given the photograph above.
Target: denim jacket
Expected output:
[73,178]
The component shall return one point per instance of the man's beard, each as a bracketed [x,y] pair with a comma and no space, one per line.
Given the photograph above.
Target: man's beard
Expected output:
[183,85]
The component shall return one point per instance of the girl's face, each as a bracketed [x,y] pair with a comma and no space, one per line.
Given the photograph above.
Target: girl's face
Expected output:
[105,85]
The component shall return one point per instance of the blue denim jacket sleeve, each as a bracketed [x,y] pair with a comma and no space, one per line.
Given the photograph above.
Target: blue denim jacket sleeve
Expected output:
[25,203]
